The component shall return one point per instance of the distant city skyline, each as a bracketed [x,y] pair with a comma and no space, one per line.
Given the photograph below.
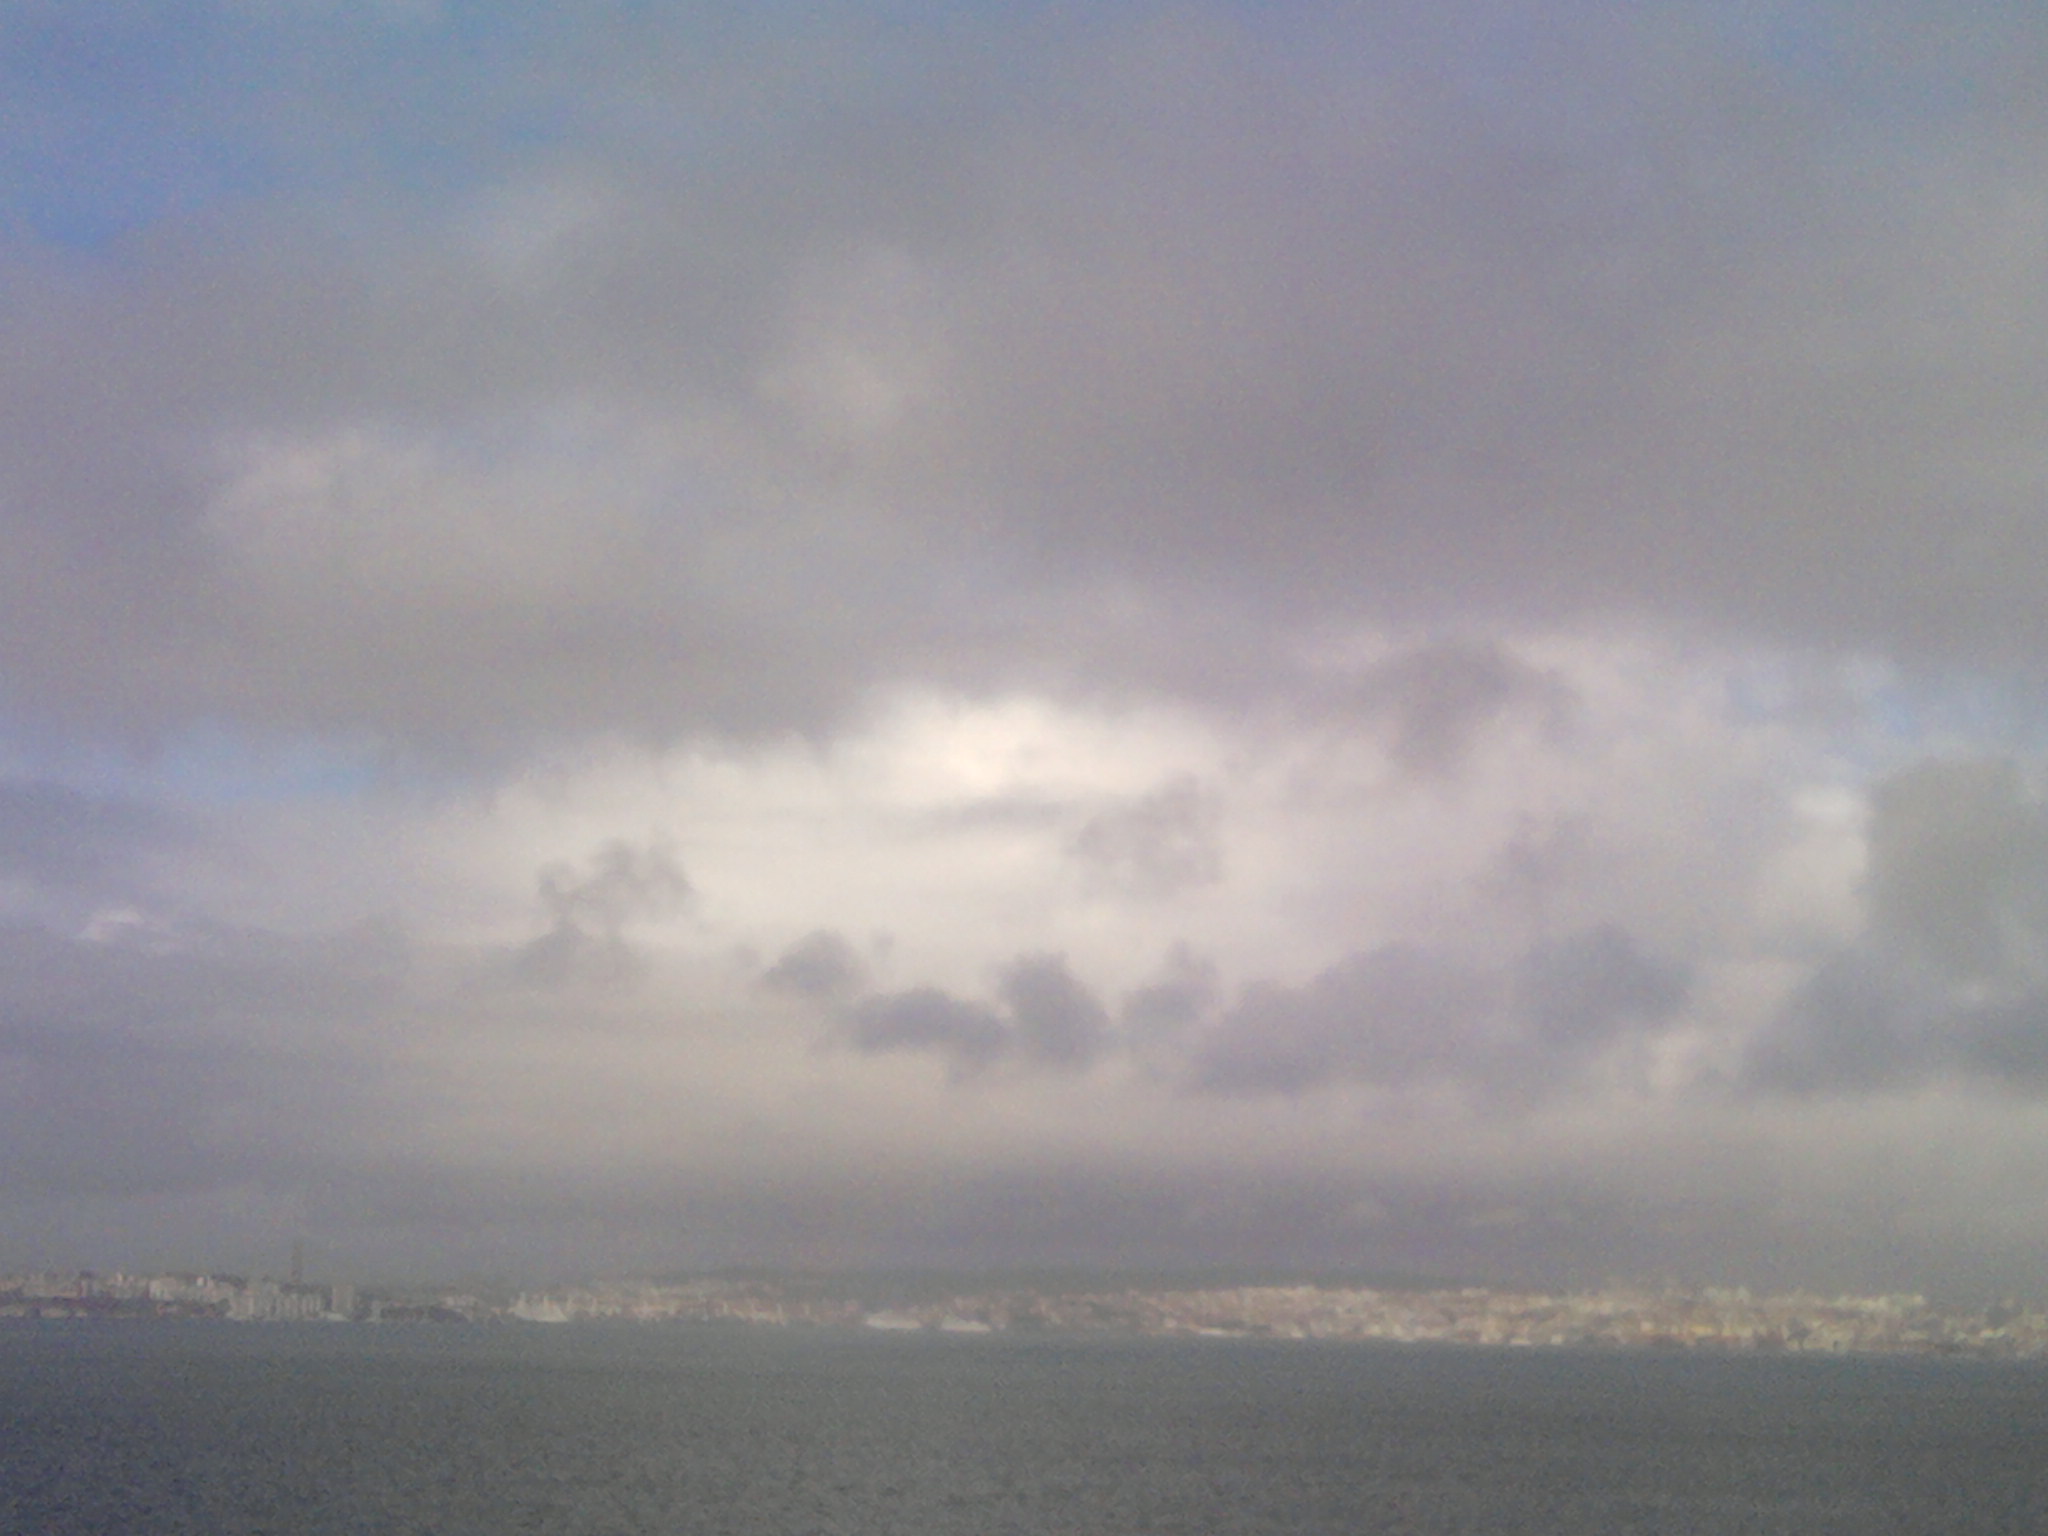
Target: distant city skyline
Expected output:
[1721,1319]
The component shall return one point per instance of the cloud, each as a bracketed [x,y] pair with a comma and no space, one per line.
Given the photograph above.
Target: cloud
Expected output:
[1463,600]
[1394,1014]
[1401,1015]
[1056,1021]
[1155,845]
[1950,977]
[971,1035]
[1434,699]
[135,1068]
[820,966]
[833,386]
[1861,1026]
[1165,1008]
[2007,1042]
[66,840]
[1583,991]
[1048,1021]
[588,911]
[1959,867]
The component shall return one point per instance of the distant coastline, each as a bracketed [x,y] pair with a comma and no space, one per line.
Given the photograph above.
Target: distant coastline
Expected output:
[1712,1318]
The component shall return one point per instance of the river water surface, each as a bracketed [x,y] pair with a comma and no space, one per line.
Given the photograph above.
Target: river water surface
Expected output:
[619,1431]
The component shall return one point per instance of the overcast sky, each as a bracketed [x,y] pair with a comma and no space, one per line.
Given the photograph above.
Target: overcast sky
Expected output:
[1387,637]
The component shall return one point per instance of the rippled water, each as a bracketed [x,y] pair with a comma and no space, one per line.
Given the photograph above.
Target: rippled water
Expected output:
[592,1431]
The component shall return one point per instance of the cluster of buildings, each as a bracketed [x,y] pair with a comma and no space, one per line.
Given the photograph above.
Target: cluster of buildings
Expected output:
[1618,1318]
[713,1300]
[1730,1319]
[85,1294]
[1711,1319]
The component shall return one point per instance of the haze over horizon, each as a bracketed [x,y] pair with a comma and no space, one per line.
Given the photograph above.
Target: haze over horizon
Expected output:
[1398,637]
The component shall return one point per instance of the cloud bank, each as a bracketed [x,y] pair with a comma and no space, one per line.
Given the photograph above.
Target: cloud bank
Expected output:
[1399,638]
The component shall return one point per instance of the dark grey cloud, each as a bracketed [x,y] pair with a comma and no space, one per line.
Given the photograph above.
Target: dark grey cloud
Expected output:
[69,841]
[1864,1025]
[1950,979]
[1867,1024]
[588,910]
[620,882]
[1156,844]
[1056,1021]
[1685,1205]
[1402,1014]
[1395,1014]
[149,1063]
[1539,867]
[244,1086]
[1184,993]
[2006,1041]
[1583,991]
[1048,1021]
[971,1036]
[1437,698]
[1959,867]
[1499,1226]
[1160,342]
[821,966]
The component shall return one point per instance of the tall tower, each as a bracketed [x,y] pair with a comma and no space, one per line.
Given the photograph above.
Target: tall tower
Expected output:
[298,1261]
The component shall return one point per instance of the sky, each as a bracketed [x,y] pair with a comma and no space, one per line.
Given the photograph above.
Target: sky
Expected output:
[1371,638]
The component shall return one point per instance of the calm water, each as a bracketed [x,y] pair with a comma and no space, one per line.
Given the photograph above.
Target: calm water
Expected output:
[588,1431]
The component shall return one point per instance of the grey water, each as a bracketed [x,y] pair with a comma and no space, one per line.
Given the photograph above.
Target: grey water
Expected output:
[152,1428]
